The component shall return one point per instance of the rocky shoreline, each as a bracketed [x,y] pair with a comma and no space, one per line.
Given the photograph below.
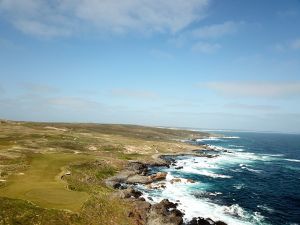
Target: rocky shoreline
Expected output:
[162,213]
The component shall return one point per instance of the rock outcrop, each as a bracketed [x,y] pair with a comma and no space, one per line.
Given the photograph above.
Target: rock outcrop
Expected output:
[127,193]
[143,213]
[134,173]
[165,213]
[207,221]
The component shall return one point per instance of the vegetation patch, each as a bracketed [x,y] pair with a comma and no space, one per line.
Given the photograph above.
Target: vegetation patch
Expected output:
[89,176]
[41,185]
[15,211]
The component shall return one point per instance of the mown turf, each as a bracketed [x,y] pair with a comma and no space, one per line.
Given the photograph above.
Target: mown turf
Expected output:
[41,184]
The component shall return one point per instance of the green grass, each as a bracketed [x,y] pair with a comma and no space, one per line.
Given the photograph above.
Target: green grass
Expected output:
[41,185]
[15,211]
[104,210]
[89,176]
[128,156]
[105,172]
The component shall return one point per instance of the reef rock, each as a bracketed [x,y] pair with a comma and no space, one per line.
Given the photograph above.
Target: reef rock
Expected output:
[165,213]
[138,179]
[137,167]
[202,221]
[175,180]
[127,193]
[158,176]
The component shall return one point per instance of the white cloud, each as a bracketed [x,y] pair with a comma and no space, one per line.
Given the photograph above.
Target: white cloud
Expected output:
[256,89]
[205,47]
[60,18]
[216,30]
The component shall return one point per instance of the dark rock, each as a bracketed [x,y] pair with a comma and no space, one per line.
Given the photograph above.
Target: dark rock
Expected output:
[121,177]
[127,193]
[156,186]
[202,221]
[175,180]
[139,212]
[165,213]
[220,223]
[179,167]
[137,167]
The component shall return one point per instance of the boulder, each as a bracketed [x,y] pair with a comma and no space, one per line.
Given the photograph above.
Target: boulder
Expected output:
[115,181]
[165,213]
[190,181]
[202,221]
[127,193]
[137,167]
[179,167]
[220,223]
[139,212]
[138,179]
[158,176]
[175,180]
[156,186]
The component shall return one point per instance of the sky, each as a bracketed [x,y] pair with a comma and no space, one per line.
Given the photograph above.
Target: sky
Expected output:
[179,63]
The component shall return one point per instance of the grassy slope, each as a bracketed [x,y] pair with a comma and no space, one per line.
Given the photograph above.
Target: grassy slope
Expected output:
[34,156]
[42,185]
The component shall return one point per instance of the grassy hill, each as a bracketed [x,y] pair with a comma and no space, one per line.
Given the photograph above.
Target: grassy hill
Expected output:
[52,173]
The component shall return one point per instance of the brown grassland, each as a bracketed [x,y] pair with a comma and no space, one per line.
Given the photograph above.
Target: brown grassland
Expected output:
[52,173]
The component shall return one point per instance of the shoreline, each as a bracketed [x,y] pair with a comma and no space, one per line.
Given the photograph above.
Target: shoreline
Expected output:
[137,172]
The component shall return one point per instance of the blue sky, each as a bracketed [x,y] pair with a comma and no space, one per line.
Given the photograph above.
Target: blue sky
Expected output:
[198,63]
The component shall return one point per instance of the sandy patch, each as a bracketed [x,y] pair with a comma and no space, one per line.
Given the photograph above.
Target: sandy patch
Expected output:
[55,128]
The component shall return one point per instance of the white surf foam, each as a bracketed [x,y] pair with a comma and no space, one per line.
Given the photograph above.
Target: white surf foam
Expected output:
[292,160]
[251,170]
[208,139]
[231,137]
[195,207]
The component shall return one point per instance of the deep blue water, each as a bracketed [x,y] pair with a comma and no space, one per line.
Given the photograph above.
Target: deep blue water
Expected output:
[274,191]
[255,179]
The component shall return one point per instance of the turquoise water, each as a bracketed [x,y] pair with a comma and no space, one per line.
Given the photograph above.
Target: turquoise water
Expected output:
[254,179]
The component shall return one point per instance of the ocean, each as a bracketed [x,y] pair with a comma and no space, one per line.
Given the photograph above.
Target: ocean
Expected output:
[248,178]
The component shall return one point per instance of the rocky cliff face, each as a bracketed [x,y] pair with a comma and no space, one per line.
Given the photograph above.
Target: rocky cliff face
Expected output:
[143,213]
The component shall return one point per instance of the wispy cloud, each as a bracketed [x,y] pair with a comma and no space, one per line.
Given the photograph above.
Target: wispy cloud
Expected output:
[206,47]
[2,91]
[161,54]
[288,13]
[73,102]
[295,44]
[288,45]
[204,38]
[217,30]
[265,108]
[42,29]
[61,18]
[128,93]
[39,88]
[5,43]
[255,89]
